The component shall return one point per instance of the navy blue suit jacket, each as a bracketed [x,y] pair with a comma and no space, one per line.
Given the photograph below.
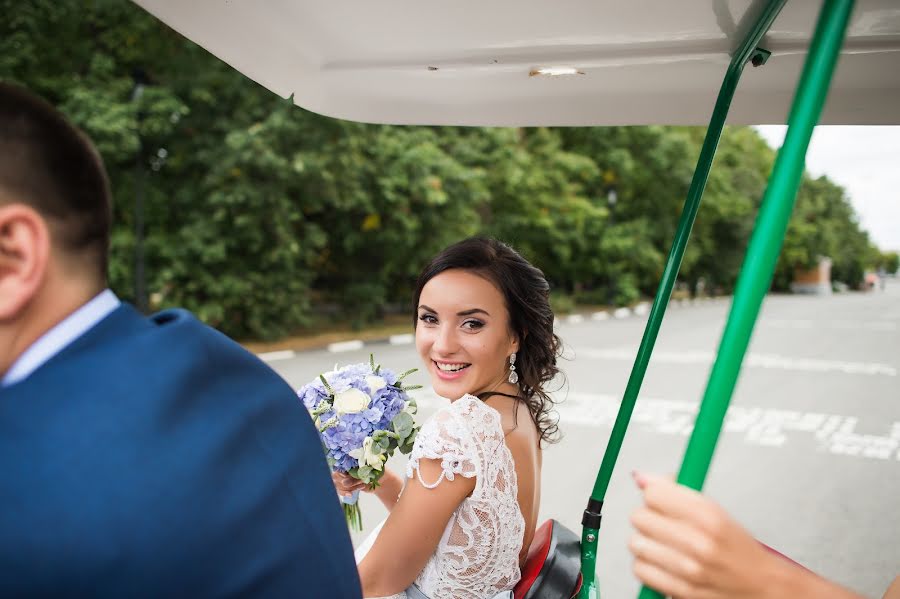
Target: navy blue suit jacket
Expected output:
[154,457]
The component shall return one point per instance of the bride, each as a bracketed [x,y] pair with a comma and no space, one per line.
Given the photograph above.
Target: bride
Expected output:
[462,525]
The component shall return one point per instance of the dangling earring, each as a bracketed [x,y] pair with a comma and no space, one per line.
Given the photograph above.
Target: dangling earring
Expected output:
[513,375]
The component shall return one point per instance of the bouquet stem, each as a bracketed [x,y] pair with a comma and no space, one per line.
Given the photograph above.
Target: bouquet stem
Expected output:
[351,511]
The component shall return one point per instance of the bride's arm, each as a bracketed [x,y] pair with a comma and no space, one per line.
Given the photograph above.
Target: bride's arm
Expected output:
[388,489]
[412,531]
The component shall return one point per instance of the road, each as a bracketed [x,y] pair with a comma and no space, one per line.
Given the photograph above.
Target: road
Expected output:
[810,457]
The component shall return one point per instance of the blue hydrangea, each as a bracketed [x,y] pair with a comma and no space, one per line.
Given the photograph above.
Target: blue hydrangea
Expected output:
[352,429]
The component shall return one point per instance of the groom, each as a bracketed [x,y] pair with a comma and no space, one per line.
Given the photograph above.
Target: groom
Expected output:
[139,457]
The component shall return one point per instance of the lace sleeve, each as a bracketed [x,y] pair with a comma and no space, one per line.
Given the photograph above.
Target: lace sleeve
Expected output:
[446,438]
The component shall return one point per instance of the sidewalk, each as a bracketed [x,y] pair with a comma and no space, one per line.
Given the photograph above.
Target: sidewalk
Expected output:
[336,337]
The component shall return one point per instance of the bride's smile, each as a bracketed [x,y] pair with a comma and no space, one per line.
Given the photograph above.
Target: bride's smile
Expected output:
[448,371]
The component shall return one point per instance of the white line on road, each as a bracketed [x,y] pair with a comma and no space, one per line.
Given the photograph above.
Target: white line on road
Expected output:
[275,356]
[753,360]
[345,346]
[885,326]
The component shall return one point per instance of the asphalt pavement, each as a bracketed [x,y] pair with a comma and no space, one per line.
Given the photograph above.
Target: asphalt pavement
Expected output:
[809,460]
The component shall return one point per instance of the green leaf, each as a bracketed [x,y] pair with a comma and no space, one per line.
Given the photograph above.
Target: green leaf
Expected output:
[406,374]
[403,425]
[327,386]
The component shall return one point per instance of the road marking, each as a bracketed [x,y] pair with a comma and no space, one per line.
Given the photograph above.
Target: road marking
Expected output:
[885,326]
[275,356]
[766,427]
[753,360]
[345,346]
[401,339]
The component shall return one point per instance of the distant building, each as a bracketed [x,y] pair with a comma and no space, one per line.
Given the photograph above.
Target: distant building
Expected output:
[815,281]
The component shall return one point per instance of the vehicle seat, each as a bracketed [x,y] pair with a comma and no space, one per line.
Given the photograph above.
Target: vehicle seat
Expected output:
[553,567]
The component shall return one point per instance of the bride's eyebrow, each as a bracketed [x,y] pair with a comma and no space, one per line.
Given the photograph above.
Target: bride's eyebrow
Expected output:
[463,313]
[473,311]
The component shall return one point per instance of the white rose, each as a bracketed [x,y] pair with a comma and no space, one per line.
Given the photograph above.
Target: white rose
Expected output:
[375,383]
[375,460]
[366,456]
[350,401]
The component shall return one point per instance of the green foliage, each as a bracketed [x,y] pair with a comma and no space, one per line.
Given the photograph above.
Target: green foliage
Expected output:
[824,225]
[261,217]
[562,303]
[890,262]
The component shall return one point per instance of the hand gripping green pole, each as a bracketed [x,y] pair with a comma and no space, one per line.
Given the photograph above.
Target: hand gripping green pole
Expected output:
[745,52]
[765,244]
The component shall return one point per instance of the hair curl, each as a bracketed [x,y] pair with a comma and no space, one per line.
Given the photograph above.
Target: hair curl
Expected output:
[527,297]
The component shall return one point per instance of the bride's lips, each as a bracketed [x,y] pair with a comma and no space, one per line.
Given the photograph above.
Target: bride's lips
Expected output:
[449,376]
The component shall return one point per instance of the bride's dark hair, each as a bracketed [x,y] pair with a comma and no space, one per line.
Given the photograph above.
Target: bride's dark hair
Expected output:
[527,296]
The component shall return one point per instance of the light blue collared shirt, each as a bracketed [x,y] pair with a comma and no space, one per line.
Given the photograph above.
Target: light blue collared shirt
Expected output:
[60,336]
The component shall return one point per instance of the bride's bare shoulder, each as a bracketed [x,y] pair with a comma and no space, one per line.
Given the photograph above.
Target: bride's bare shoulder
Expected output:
[515,418]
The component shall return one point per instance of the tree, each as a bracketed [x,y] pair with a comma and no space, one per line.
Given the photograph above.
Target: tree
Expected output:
[262,217]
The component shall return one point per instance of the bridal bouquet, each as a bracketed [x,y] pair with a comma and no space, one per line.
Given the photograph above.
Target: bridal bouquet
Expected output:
[363,414]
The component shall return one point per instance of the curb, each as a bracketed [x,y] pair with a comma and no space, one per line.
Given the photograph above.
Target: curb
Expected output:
[338,347]
[640,310]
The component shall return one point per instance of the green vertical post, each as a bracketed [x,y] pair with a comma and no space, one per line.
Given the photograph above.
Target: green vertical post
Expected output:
[765,243]
[746,51]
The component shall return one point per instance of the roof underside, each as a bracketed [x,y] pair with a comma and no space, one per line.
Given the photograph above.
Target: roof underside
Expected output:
[468,62]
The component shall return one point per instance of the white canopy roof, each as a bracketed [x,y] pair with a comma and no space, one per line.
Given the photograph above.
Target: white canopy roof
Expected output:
[468,62]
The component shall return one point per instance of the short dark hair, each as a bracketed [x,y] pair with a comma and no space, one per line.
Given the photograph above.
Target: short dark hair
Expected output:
[51,166]
[527,296]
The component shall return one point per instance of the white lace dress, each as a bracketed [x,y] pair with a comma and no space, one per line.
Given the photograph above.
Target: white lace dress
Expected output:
[478,554]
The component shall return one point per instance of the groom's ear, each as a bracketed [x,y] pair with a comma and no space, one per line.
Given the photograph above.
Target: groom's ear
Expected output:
[24,257]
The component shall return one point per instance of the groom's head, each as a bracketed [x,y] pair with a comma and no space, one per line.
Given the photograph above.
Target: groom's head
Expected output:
[54,220]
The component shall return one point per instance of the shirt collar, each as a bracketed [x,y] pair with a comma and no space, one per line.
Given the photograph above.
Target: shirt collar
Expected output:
[60,336]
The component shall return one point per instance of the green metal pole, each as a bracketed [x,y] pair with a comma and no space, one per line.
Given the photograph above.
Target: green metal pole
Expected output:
[591,522]
[765,244]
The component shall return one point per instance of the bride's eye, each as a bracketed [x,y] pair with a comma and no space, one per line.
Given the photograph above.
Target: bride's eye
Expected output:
[428,318]
[472,325]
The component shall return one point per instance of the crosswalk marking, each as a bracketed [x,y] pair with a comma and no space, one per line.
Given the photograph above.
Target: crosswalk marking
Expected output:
[833,433]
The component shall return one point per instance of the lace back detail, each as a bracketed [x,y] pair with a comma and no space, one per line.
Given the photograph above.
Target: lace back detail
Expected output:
[478,555]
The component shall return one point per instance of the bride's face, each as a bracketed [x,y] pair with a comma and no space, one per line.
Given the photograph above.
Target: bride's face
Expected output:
[463,334]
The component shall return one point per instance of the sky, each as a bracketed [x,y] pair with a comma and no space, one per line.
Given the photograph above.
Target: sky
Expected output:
[866,162]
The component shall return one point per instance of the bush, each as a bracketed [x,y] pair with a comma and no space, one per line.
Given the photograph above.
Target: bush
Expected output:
[561,303]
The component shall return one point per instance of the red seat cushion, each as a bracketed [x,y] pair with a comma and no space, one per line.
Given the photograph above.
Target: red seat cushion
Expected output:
[537,555]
